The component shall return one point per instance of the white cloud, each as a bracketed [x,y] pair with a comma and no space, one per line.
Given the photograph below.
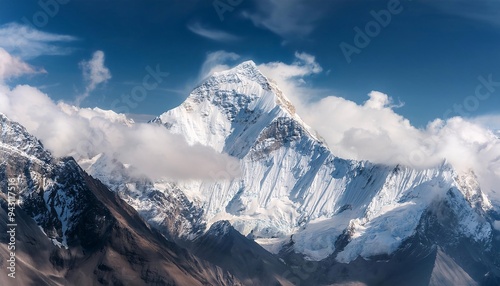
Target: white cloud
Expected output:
[83,133]
[375,132]
[304,65]
[12,67]
[291,77]
[94,73]
[212,34]
[491,121]
[216,62]
[26,42]
[479,10]
[371,131]
[288,19]
[379,100]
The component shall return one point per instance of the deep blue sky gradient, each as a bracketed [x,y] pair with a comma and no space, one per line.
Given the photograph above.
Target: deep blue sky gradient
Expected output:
[429,56]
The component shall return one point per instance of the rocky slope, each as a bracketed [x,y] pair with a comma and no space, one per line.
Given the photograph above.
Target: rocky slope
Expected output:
[71,230]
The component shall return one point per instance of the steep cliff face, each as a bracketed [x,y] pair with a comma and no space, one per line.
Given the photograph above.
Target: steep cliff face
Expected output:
[71,230]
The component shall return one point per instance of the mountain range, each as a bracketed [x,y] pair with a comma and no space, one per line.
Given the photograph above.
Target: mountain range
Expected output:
[291,212]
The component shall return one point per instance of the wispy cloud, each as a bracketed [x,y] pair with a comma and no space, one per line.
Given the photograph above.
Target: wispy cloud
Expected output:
[491,121]
[12,67]
[27,43]
[289,19]
[212,34]
[48,86]
[94,73]
[479,10]
[215,62]
[304,65]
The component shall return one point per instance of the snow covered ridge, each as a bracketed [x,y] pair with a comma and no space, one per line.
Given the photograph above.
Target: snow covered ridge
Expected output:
[15,138]
[293,185]
[50,190]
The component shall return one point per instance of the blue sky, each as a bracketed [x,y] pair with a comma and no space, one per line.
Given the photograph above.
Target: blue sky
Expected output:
[430,55]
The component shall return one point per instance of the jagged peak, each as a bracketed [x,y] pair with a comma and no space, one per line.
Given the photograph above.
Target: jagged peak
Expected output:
[247,65]
[248,68]
[246,71]
[238,91]
[243,75]
[220,228]
[14,137]
[12,127]
[4,117]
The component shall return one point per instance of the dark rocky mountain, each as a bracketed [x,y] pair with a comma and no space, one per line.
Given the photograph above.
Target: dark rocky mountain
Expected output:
[71,230]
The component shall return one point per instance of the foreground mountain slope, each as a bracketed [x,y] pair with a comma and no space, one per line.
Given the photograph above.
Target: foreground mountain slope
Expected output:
[241,256]
[71,230]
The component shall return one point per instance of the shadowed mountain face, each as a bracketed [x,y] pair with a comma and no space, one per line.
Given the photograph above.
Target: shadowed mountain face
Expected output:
[247,260]
[71,230]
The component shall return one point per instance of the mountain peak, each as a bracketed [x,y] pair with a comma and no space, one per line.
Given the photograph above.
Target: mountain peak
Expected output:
[230,102]
[243,73]
[15,139]
[247,65]
[247,68]
[255,85]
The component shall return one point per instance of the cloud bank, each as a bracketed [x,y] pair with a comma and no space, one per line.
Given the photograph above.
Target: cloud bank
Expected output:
[84,133]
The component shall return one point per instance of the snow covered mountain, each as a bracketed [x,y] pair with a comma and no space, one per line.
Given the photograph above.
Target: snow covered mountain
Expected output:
[71,230]
[293,184]
[295,197]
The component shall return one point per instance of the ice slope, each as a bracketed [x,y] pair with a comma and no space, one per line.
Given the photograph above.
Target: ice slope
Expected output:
[293,185]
